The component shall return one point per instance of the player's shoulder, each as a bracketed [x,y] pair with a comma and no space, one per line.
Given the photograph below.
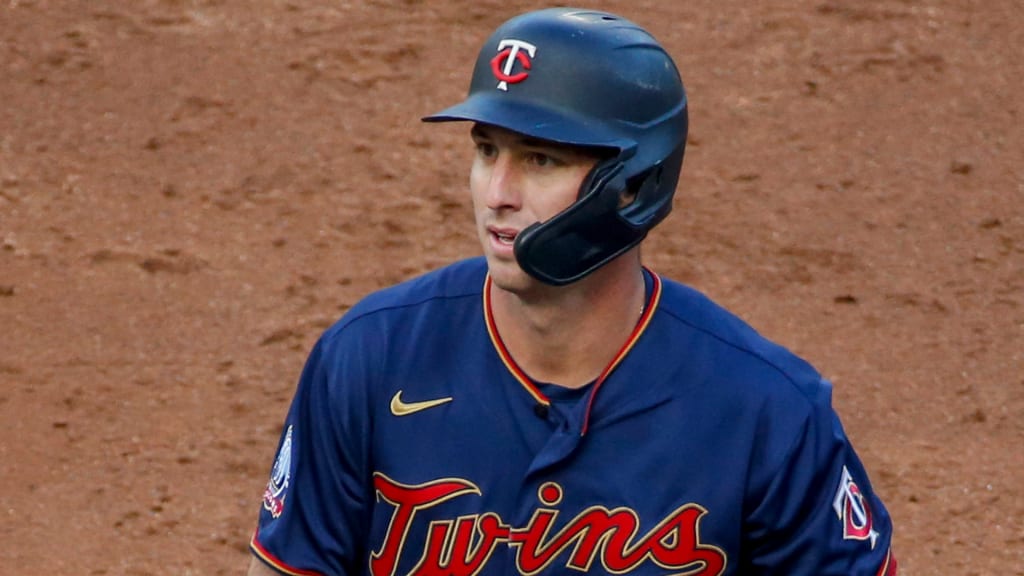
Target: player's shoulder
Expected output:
[453,285]
[744,355]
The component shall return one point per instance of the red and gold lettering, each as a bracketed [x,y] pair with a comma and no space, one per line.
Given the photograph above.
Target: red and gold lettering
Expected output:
[463,552]
[407,500]
[463,546]
[610,534]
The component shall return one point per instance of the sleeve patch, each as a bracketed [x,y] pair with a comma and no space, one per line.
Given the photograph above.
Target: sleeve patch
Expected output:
[280,477]
[853,510]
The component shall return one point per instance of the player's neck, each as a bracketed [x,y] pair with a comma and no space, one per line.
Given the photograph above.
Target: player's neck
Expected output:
[568,335]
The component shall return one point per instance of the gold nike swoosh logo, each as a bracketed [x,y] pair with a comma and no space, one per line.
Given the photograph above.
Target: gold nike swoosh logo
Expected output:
[399,408]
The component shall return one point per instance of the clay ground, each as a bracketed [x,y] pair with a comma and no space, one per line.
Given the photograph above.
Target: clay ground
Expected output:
[192,190]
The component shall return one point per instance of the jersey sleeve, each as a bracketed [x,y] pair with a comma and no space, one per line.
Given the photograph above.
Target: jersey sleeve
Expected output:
[316,502]
[816,513]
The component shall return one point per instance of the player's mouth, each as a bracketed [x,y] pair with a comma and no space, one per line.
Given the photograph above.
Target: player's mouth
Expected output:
[502,239]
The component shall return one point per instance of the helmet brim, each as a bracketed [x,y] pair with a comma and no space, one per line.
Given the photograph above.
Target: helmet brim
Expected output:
[529,119]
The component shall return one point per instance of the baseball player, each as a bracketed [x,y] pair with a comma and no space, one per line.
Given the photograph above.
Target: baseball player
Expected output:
[555,407]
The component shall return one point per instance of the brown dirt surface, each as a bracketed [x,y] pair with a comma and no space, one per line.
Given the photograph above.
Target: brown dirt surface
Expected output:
[192,190]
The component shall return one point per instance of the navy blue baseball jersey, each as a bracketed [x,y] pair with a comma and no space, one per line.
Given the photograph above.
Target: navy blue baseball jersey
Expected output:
[416,445]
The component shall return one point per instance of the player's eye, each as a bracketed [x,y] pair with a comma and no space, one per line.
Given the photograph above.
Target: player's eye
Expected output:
[541,160]
[486,149]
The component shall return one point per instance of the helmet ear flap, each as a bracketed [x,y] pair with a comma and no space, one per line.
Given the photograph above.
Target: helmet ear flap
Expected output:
[584,236]
[650,204]
[607,179]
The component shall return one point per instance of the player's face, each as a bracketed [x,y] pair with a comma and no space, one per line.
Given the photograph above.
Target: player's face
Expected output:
[517,181]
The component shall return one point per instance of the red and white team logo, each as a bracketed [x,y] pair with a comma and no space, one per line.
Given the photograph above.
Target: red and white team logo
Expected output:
[280,476]
[853,510]
[511,52]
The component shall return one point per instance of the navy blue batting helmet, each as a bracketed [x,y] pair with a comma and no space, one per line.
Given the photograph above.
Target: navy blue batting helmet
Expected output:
[589,79]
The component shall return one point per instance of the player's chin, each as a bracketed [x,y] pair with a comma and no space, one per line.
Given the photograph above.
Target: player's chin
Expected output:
[507,275]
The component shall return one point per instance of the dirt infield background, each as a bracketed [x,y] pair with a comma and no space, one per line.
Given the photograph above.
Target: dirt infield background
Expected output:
[192,190]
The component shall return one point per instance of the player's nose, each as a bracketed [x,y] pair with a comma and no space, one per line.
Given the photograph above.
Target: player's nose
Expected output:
[503,183]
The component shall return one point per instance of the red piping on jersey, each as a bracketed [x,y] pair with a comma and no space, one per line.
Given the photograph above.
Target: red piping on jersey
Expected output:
[890,567]
[499,346]
[274,561]
[527,383]
[641,325]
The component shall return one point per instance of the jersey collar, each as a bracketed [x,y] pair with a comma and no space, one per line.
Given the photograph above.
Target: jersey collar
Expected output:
[528,384]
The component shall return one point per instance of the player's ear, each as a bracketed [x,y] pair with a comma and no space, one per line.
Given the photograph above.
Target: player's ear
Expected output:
[627,197]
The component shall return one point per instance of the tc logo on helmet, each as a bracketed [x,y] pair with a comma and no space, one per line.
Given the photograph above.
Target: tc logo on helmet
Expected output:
[510,52]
